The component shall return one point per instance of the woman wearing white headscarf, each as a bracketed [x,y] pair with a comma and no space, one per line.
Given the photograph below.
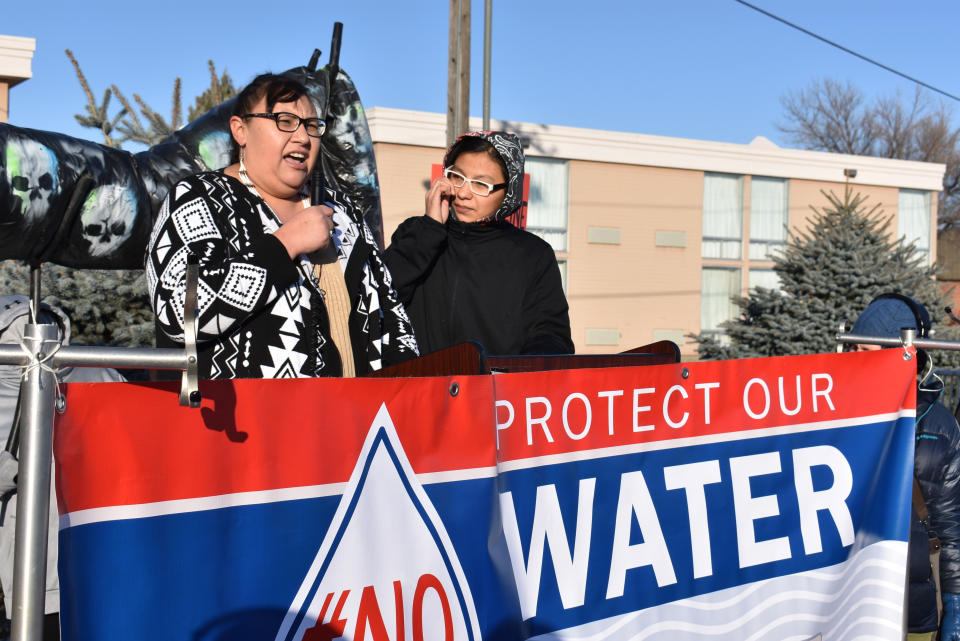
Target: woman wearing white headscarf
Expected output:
[466,274]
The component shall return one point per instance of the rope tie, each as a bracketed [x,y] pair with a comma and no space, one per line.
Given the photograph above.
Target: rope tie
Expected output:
[42,364]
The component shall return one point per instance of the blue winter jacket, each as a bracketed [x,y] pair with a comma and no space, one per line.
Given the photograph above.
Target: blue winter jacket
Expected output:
[937,467]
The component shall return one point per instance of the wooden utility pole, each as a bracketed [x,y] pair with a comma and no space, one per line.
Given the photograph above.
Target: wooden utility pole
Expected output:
[487,30]
[458,71]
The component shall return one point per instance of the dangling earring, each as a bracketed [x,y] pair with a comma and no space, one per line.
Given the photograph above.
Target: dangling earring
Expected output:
[242,172]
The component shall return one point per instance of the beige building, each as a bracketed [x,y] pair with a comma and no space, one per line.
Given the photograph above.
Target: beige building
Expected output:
[16,55]
[654,234]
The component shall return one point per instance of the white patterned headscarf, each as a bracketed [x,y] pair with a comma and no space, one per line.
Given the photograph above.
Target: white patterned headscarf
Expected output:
[508,147]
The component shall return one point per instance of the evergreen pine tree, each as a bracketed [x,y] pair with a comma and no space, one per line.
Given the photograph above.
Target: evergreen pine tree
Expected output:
[828,273]
[97,116]
[105,307]
[220,90]
[157,127]
[126,125]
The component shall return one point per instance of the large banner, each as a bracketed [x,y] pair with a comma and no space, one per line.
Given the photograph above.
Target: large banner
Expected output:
[755,499]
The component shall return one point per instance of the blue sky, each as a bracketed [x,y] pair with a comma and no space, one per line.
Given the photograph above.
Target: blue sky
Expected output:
[704,69]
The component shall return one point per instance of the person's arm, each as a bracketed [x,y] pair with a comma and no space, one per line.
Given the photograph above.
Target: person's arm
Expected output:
[546,310]
[413,251]
[420,240]
[233,284]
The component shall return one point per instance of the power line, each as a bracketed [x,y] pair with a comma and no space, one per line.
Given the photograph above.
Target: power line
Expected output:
[850,51]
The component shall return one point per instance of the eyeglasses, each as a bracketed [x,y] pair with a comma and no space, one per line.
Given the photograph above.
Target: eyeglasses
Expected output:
[479,187]
[289,122]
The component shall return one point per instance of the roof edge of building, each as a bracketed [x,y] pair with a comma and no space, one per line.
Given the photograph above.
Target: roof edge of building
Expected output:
[16,54]
[761,158]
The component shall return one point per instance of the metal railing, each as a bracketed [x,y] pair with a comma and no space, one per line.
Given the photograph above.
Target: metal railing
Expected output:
[40,355]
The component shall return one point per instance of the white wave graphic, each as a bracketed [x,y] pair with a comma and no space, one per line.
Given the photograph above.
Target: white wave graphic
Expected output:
[891,624]
[766,630]
[849,578]
[860,568]
[744,619]
[861,598]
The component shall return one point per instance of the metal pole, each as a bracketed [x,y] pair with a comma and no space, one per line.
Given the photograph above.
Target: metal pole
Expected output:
[463,69]
[458,70]
[883,341]
[452,54]
[90,356]
[122,357]
[908,337]
[487,30]
[33,489]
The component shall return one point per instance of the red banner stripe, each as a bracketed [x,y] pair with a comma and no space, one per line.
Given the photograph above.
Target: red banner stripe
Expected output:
[551,413]
[127,444]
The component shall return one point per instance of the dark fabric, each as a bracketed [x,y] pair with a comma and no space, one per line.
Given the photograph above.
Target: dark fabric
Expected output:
[51,627]
[261,314]
[511,152]
[493,283]
[937,467]
[922,598]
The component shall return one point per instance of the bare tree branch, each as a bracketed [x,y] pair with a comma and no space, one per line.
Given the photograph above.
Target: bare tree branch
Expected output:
[833,116]
[829,116]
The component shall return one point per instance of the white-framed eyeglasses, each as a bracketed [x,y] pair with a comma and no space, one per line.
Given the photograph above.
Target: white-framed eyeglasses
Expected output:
[479,187]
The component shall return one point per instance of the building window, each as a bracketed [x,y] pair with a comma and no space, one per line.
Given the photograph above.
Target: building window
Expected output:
[549,200]
[768,216]
[718,287]
[766,278]
[722,216]
[562,264]
[913,218]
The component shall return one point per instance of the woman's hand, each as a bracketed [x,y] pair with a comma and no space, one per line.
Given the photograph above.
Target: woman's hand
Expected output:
[306,231]
[438,199]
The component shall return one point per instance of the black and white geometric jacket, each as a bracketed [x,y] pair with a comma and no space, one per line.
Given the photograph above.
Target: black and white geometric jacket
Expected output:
[261,314]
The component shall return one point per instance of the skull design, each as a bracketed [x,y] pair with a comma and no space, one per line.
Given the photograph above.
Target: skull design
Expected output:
[215,149]
[353,145]
[107,217]
[32,175]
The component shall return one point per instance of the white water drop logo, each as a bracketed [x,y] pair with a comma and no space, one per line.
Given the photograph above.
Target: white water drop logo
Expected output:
[386,570]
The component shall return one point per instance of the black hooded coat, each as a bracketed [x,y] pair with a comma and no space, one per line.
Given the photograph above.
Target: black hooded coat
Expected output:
[937,468]
[486,282]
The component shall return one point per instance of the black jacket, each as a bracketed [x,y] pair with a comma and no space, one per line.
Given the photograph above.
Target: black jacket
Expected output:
[937,467]
[490,283]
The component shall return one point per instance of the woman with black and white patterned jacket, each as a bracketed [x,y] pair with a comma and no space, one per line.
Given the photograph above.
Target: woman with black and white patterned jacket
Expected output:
[286,289]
